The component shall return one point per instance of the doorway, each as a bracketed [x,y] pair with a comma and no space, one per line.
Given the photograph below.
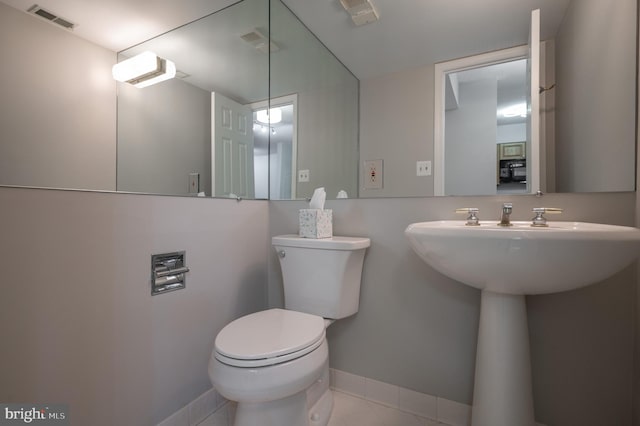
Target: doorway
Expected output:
[466,119]
[486,129]
[533,147]
[275,147]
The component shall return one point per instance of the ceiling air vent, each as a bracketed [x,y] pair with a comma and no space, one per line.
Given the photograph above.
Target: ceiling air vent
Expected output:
[355,6]
[52,17]
[253,37]
[361,11]
[259,41]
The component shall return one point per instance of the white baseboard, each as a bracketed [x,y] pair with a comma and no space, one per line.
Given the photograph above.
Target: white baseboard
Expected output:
[432,407]
[428,406]
[196,411]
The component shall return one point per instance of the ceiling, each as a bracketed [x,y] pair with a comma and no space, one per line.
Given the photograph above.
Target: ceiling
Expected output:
[410,33]
[119,24]
[511,79]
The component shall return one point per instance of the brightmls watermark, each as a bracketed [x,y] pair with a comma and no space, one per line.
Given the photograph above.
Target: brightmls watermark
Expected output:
[34,414]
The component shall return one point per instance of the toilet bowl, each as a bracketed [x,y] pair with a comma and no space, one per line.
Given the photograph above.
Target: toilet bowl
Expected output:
[267,361]
[275,363]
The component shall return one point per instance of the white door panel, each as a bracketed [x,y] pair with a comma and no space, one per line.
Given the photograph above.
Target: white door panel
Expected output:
[231,148]
[533,106]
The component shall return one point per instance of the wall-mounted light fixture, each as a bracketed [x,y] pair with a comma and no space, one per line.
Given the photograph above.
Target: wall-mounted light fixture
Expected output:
[144,70]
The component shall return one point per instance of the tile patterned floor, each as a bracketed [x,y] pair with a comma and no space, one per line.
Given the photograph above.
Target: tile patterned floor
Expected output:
[347,411]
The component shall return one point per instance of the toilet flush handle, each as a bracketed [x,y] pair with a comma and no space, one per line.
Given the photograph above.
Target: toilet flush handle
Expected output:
[281,253]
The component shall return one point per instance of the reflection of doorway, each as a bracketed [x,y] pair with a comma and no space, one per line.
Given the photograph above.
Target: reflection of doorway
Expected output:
[470,166]
[275,147]
[535,149]
[487,108]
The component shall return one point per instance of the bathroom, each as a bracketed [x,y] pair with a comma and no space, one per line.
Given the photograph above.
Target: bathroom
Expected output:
[79,326]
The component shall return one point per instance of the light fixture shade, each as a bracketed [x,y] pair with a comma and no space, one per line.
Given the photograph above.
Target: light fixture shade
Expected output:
[170,72]
[272,116]
[144,70]
[516,110]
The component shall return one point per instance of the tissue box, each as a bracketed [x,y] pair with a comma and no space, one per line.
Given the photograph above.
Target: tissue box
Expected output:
[316,223]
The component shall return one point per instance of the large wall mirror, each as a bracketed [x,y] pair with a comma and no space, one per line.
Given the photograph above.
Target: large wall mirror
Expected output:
[275,108]
[254,105]
[327,109]
[194,133]
[587,90]
[217,129]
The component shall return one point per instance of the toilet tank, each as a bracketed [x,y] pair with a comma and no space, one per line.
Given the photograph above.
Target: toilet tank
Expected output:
[321,276]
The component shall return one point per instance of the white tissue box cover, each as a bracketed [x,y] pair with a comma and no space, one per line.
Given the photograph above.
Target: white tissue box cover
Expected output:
[316,223]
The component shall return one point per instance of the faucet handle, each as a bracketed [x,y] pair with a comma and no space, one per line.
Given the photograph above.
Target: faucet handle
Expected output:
[550,210]
[472,219]
[539,219]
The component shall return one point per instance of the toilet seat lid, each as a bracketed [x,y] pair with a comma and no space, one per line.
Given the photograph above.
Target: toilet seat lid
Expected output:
[269,337]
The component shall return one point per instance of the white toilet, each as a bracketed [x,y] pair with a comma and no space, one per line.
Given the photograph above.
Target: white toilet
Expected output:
[275,363]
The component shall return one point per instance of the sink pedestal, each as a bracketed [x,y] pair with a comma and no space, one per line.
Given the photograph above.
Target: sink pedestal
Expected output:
[506,263]
[502,392]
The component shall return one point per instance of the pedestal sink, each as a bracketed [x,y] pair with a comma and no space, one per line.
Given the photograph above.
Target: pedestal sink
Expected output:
[507,263]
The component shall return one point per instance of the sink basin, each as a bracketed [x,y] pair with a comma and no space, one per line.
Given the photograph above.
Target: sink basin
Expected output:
[522,259]
[507,263]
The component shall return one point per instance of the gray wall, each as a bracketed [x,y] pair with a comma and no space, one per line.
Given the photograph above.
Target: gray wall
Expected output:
[77,321]
[327,147]
[418,329]
[164,133]
[76,317]
[327,105]
[594,126]
[57,102]
[470,140]
[396,111]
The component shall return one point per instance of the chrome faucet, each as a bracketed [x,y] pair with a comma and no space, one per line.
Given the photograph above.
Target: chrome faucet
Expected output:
[472,219]
[507,208]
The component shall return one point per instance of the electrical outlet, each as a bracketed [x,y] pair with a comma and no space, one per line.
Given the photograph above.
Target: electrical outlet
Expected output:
[423,168]
[373,174]
[194,183]
[303,175]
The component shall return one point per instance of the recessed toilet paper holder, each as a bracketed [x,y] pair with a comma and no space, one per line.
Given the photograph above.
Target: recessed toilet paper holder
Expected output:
[168,272]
